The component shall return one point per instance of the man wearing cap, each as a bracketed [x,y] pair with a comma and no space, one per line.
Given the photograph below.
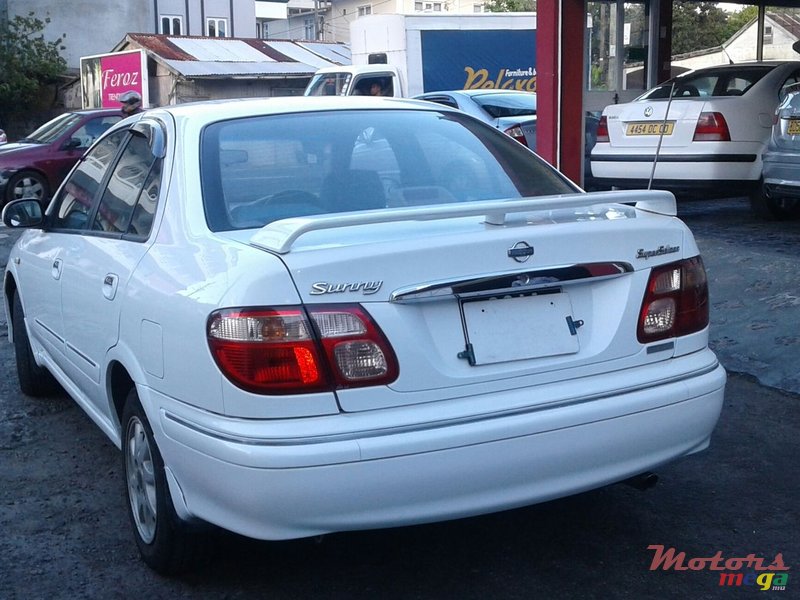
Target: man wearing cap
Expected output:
[131,103]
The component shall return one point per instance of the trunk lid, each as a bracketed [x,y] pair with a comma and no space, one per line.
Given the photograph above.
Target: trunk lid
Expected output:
[471,306]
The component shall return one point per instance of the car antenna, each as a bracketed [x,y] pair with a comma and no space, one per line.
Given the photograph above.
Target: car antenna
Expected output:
[661,136]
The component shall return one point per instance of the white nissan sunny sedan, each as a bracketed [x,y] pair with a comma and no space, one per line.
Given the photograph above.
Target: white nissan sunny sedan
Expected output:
[307,315]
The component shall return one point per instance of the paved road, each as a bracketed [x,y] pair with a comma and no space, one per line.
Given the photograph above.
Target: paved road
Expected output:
[754,281]
[64,533]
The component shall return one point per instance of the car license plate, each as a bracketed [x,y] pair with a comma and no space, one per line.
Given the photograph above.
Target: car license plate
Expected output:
[648,128]
[793,127]
[506,329]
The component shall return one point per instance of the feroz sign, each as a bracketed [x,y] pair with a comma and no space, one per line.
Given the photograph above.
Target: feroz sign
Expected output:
[105,77]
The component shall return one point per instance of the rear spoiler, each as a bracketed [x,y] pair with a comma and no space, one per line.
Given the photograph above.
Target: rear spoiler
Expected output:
[279,236]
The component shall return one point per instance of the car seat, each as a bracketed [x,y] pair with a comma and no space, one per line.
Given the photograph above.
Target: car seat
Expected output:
[344,191]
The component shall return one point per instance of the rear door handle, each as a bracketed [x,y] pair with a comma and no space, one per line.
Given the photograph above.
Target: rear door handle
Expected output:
[110,286]
[56,271]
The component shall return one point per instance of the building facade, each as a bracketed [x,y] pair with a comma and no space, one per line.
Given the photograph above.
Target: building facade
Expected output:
[88,27]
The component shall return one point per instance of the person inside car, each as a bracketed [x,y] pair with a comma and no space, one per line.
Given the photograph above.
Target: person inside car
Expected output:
[378,88]
[131,103]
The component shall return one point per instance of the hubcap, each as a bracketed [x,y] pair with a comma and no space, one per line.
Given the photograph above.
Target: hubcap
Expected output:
[140,472]
[28,187]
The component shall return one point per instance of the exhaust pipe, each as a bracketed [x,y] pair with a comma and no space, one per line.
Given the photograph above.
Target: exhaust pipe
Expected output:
[643,481]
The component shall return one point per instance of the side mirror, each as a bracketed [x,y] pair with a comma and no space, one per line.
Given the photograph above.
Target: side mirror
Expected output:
[71,144]
[23,213]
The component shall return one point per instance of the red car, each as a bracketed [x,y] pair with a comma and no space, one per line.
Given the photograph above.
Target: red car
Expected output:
[35,166]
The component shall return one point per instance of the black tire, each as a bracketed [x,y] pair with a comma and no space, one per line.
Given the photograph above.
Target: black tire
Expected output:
[166,544]
[781,209]
[34,380]
[27,184]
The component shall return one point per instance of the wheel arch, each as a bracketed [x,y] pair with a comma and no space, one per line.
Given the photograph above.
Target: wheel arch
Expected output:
[119,384]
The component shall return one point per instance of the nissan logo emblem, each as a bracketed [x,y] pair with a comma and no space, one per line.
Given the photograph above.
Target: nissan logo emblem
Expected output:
[521,251]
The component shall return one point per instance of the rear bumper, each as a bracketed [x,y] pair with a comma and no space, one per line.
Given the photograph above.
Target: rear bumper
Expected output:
[782,174]
[683,187]
[681,171]
[287,482]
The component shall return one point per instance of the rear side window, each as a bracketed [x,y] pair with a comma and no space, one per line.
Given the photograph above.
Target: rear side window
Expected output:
[258,170]
[125,191]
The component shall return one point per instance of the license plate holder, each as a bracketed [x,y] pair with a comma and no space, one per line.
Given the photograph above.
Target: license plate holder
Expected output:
[517,328]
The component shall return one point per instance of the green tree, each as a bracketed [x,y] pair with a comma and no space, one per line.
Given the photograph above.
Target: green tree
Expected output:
[28,63]
[740,18]
[697,26]
[509,5]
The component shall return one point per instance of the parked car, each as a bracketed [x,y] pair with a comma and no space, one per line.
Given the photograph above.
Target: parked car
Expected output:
[514,113]
[306,315]
[3,138]
[779,196]
[510,111]
[713,137]
[34,166]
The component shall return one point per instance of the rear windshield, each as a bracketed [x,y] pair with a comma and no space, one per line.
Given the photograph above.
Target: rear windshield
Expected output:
[709,82]
[507,105]
[262,169]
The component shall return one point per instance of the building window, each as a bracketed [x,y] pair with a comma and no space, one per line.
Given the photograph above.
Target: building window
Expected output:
[217,27]
[429,7]
[478,8]
[308,28]
[418,6]
[262,29]
[767,34]
[366,9]
[171,25]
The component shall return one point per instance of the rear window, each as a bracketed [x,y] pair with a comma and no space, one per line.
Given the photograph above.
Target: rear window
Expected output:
[709,82]
[507,105]
[262,169]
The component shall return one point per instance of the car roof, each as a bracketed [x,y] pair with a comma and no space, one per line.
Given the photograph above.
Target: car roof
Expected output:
[734,66]
[217,110]
[95,111]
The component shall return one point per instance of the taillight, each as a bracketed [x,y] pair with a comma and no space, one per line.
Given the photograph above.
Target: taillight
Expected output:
[515,131]
[293,350]
[711,127]
[602,129]
[675,302]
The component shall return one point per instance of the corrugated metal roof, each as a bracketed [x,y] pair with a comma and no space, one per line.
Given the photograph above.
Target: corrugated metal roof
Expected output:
[298,53]
[197,68]
[337,54]
[193,56]
[219,49]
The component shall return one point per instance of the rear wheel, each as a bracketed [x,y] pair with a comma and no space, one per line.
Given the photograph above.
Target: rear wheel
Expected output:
[27,184]
[164,541]
[33,379]
[770,207]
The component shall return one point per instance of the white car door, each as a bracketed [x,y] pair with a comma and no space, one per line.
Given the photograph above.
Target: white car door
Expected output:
[40,290]
[98,263]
